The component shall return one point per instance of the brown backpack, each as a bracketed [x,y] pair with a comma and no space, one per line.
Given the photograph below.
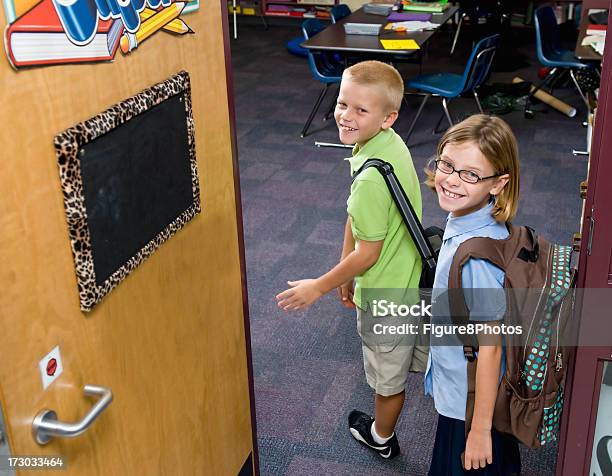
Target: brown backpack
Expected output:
[539,294]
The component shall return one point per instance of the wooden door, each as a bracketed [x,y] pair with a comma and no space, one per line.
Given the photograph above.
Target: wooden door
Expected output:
[169,341]
[594,273]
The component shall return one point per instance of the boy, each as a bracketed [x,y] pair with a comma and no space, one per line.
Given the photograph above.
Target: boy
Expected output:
[377,251]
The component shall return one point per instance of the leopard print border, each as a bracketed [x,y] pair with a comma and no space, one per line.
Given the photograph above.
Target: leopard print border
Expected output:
[68,146]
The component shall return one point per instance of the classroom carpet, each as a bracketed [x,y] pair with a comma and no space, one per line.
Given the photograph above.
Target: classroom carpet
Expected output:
[308,372]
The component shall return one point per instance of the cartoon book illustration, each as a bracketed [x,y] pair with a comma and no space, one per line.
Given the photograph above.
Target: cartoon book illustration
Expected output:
[38,38]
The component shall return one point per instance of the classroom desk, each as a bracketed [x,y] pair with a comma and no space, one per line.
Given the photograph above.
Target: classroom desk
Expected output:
[586,52]
[333,38]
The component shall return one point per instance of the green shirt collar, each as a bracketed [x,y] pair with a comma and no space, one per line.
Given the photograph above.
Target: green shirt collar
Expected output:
[371,147]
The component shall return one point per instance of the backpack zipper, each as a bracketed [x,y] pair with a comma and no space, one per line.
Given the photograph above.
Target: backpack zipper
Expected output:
[558,362]
[523,373]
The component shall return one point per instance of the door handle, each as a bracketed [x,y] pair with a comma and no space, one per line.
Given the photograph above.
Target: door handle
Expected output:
[46,425]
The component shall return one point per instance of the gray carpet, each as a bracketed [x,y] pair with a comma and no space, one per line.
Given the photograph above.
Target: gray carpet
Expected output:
[307,366]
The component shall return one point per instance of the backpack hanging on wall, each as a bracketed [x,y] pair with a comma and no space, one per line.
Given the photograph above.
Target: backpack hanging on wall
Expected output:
[539,292]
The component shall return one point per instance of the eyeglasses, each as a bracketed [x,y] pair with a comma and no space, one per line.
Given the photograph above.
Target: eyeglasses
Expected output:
[465,175]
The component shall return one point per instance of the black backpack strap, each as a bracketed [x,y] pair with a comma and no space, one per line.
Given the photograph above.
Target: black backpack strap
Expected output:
[405,208]
[534,253]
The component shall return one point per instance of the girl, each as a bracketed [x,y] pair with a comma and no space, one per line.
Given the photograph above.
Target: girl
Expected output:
[476,177]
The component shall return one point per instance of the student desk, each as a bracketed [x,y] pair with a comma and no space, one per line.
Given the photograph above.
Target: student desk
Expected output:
[586,52]
[333,38]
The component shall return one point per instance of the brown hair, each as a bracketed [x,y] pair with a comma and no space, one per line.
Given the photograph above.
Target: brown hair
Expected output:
[377,73]
[497,143]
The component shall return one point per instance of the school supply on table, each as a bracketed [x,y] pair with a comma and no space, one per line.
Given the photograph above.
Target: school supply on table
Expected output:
[38,38]
[411,26]
[599,16]
[429,241]
[400,44]
[596,30]
[409,16]
[382,9]
[597,42]
[539,294]
[433,7]
[596,37]
[278,10]
[372,29]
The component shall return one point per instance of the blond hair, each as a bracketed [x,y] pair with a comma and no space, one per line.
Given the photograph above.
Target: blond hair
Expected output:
[497,143]
[386,77]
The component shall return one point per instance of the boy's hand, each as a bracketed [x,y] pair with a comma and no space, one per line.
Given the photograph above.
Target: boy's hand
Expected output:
[478,449]
[345,294]
[299,296]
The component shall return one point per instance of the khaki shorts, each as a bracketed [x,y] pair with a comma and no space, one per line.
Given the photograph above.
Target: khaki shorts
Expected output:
[388,359]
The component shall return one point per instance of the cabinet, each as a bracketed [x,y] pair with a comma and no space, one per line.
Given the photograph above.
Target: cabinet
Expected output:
[301,9]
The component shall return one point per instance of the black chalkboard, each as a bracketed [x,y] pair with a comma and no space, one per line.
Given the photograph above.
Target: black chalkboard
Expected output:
[136,180]
[129,179]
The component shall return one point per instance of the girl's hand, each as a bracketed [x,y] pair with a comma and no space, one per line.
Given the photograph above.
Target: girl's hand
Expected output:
[345,294]
[478,449]
[299,296]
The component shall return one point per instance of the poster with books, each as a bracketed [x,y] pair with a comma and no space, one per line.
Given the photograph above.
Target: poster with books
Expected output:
[47,32]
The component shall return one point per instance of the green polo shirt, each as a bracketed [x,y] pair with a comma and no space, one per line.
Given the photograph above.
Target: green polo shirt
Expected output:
[375,217]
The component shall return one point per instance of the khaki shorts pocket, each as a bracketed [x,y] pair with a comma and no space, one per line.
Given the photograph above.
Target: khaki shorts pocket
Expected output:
[381,334]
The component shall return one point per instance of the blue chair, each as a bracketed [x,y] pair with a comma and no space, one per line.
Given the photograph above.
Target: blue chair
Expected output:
[450,86]
[339,12]
[552,55]
[323,67]
[293,47]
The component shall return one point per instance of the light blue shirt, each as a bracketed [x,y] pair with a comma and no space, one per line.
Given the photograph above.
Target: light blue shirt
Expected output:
[446,375]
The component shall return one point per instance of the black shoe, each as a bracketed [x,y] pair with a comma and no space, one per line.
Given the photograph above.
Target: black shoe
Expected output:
[360,426]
